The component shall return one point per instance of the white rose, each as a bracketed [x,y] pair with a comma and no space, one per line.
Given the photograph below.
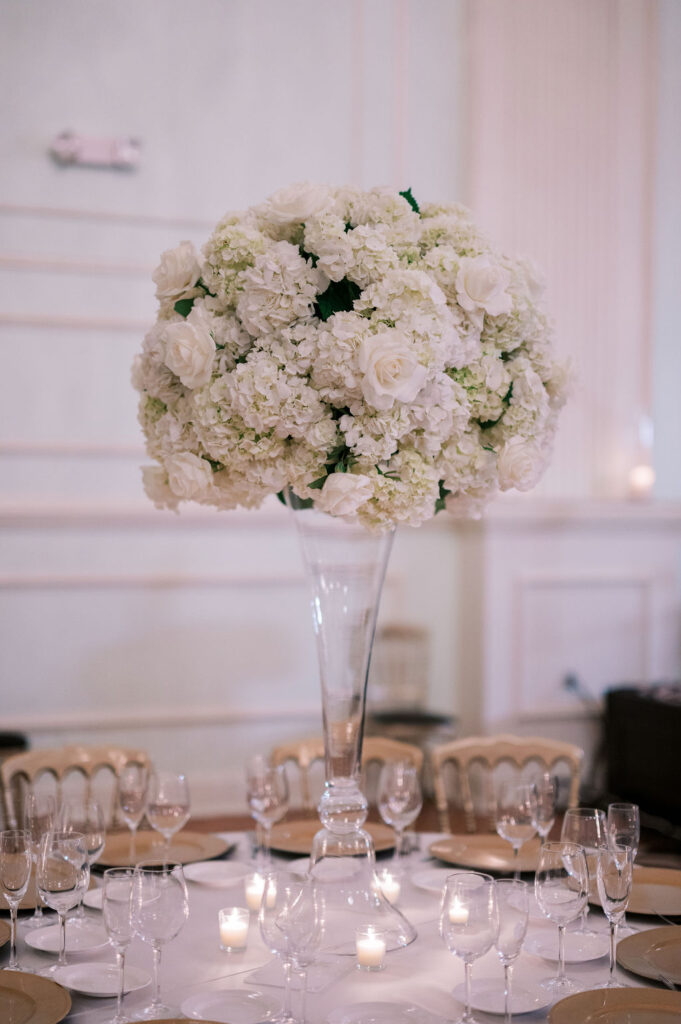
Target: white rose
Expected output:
[481,285]
[520,464]
[297,202]
[188,475]
[156,487]
[189,352]
[343,493]
[391,369]
[177,273]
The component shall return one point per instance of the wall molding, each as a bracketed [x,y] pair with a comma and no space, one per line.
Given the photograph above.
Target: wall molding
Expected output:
[50,321]
[179,716]
[111,216]
[59,265]
[72,449]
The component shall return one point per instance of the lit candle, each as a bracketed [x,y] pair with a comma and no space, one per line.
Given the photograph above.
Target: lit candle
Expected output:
[458,914]
[233,925]
[389,886]
[641,481]
[370,946]
[255,887]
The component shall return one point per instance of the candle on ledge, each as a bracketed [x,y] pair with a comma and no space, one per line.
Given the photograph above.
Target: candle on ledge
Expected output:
[389,885]
[233,925]
[458,914]
[254,888]
[370,946]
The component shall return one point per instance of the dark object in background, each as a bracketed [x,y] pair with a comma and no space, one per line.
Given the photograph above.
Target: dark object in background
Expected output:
[643,742]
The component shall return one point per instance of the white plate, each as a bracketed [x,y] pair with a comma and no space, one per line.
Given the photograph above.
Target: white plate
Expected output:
[487,995]
[231,1006]
[578,947]
[431,879]
[382,1013]
[79,938]
[100,980]
[93,899]
[299,867]
[217,874]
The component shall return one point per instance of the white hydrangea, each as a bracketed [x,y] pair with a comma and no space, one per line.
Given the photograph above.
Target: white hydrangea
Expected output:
[277,290]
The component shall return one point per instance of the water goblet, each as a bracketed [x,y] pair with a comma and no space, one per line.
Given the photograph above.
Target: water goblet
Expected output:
[561,888]
[586,826]
[63,875]
[545,810]
[614,877]
[40,812]
[15,872]
[132,799]
[117,911]
[513,904]
[469,921]
[399,798]
[87,818]
[168,805]
[160,908]
[268,796]
[516,812]
[624,829]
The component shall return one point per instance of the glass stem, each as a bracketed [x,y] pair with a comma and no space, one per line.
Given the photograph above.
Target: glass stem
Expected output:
[12,965]
[303,994]
[267,856]
[288,1016]
[516,854]
[561,953]
[399,842]
[120,960]
[508,971]
[133,834]
[468,967]
[156,1001]
[613,931]
[61,960]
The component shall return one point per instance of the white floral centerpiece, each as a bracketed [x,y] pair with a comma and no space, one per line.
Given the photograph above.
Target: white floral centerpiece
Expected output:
[377,357]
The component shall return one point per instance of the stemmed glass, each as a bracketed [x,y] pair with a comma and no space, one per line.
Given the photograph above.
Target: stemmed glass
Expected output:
[624,829]
[86,818]
[513,904]
[168,805]
[586,827]
[160,908]
[545,809]
[117,911]
[516,812]
[561,887]
[40,811]
[291,922]
[469,921]
[268,796]
[63,875]
[132,799]
[15,872]
[399,798]
[614,875]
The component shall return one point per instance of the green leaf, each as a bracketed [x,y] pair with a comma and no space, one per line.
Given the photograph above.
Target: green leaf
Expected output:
[410,199]
[338,297]
[183,306]
[308,256]
[317,484]
[294,501]
[440,502]
[486,424]
[489,448]
[215,466]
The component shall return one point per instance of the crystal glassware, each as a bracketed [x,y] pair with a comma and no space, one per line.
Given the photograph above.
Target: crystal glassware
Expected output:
[132,799]
[513,904]
[545,792]
[63,875]
[614,876]
[87,818]
[586,826]
[516,811]
[399,798]
[268,797]
[160,908]
[15,872]
[624,829]
[469,921]
[117,911]
[168,804]
[40,813]
[561,888]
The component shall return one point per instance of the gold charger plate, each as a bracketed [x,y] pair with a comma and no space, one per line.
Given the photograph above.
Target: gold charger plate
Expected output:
[186,848]
[297,836]
[29,900]
[486,852]
[618,1006]
[32,999]
[653,953]
[655,891]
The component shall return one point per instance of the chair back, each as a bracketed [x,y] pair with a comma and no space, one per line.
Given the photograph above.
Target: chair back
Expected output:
[490,752]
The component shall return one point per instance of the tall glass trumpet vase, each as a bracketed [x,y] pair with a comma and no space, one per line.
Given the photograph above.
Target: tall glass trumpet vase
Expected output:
[346,567]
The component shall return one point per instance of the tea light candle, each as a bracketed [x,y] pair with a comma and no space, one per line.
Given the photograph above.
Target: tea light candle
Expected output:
[255,887]
[370,946]
[389,886]
[233,925]
[458,914]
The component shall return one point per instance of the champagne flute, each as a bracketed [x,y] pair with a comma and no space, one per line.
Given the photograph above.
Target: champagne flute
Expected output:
[15,872]
[132,799]
[624,829]
[513,904]
[160,908]
[40,812]
[63,876]
[399,798]
[87,818]
[545,811]
[117,911]
[516,813]
[469,921]
[614,876]
[586,827]
[268,795]
[168,805]
[561,888]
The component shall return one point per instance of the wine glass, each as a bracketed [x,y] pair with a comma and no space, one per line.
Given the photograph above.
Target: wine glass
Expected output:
[268,795]
[561,888]
[291,920]
[545,812]
[586,827]
[516,813]
[63,875]
[117,911]
[160,908]
[87,818]
[132,799]
[15,872]
[168,805]
[513,904]
[469,921]
[624,829]
[399,798]
[40,812]
[614,876]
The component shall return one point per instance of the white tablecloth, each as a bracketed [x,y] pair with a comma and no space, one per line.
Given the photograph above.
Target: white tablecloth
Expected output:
[424,973]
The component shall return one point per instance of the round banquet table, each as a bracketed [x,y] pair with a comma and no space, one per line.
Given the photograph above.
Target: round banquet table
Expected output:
[424,973]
